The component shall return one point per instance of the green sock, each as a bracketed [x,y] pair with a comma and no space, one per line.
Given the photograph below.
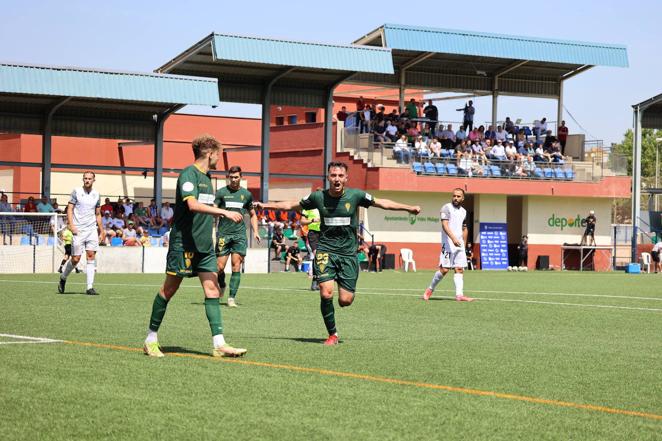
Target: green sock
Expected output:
[213,311]
[235,278]
[328,314]
[158,311]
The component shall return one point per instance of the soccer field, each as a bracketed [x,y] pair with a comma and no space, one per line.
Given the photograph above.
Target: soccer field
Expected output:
[539,356]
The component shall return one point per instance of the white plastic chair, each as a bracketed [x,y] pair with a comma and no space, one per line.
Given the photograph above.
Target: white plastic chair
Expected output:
[407,257]
[646,261]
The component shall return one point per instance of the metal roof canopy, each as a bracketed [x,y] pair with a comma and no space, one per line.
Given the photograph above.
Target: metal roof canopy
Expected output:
[646,115]
[467,61]
[67,101]
[266,71]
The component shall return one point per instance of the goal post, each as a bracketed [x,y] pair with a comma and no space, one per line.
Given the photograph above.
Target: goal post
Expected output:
[30,242]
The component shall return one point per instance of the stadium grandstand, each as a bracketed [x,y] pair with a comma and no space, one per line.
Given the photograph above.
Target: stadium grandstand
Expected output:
[369,104]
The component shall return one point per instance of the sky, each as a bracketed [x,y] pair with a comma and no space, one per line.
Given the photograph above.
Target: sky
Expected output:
[143,35]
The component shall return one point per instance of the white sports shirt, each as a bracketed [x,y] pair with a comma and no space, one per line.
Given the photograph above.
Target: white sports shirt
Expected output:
[455,218]
[85,205]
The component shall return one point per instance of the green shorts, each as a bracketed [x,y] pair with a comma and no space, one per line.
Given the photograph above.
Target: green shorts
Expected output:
[226,245]
[188,263]
[342,269]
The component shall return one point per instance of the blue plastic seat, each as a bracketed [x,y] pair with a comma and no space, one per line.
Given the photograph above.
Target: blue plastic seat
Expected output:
[429,168]
[495,171]
[559,173]
[51,241]
[452,169]
[549,173]
[445,153]
[569,174]
[25,240]
[154,241]
[116,242]
[537,173]
[417,167]
[41,240]
[441,169]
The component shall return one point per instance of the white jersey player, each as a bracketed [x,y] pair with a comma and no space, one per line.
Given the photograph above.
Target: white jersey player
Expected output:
[84,216]
[453,241]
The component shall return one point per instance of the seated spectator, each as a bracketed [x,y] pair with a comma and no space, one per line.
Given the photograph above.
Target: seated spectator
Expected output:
[500,134]
[152,209]
[278,243]
[157,226]
[145,239]
[130,235]
[128,207]
[549,140]
[391,131]
[292,256]
[376,254]
[421,148]
[521,139]
[30,206]
[529,166]
[490,133]
[142,215]
[555,153]
[540,155]
[511,151]
[461,134]
[520,170]
[481,133]
[107,206]
[450,135]
[401,150]
[5,206]
[108,224]
[412,132]
[465,165]
[166,238]
[498,152]
[474,135]
[44,206]
[435,148]
[167,213]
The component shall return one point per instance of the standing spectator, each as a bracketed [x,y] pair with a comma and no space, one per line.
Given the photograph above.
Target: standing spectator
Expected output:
[509,126]
[342,114]
[588,239]
[360,104]
[655,255]
[167,213]
[523,251]
[128,208]
[30,206]
[366,117]
[469,110]
[401,150]
[44,206]
[432,113]
[562,133]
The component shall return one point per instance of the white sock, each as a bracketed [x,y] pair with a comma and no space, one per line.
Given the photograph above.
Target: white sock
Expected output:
[151,337]
[89,272]
[68,268]
[436,279]
[458,278]
[218,340]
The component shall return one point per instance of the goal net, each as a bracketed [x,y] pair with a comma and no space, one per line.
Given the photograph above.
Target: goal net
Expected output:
[31,242]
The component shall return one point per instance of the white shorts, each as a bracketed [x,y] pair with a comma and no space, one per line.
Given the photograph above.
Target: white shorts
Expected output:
[85,239]
[455,258]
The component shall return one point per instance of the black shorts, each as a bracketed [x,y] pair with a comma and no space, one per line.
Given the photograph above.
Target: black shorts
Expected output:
[589,232]
[313,239]
[67,250]
[655,255]
[375,250]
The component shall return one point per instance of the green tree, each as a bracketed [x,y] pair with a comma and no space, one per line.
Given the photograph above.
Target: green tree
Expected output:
[648,144]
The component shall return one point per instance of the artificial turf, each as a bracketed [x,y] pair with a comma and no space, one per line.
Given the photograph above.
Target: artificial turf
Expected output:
[526,361]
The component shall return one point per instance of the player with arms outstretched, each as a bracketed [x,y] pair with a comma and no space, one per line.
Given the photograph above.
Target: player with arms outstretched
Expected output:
[84,219]
[231,236]
[191,247]
[335,259]
[453,254]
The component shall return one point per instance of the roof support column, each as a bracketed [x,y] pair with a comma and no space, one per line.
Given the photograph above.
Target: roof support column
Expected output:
[46,148]
[403,72]
[559,105]
[401,92]
[328,134]
[495,102]
[636,180]
[158,152]
[266,142]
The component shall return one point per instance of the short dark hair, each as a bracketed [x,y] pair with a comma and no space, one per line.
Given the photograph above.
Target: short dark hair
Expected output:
[459,189]
[234,169]
[90,172]
[333,164]
[204,144]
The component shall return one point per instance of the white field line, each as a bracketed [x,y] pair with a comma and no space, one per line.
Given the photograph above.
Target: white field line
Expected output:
[380,292]
[26,339]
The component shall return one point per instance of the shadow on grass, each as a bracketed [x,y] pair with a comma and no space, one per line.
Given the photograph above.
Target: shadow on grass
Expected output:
[437,299]
[180,350]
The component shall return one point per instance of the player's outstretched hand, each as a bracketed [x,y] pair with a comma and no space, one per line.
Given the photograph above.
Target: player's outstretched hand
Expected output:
[415,209]
[258,205]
